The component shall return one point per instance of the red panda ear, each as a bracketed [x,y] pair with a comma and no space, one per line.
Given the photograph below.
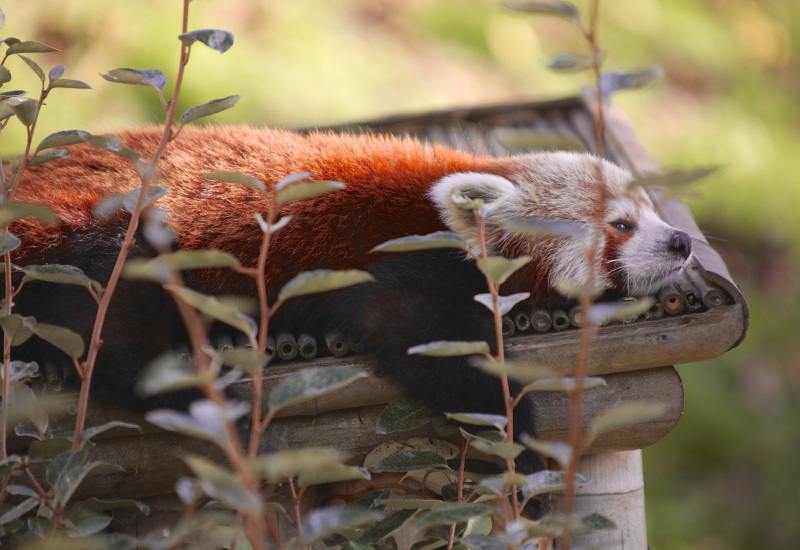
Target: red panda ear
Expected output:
[471,185]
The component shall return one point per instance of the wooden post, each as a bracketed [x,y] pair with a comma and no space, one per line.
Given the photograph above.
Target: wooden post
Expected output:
[616,491]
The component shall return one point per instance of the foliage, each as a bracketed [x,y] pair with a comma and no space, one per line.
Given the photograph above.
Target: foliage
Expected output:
[219,482]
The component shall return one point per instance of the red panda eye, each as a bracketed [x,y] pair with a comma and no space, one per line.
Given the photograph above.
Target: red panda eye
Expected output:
[622,226]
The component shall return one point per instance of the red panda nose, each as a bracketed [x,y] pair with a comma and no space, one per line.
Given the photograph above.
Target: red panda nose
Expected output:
[681,243]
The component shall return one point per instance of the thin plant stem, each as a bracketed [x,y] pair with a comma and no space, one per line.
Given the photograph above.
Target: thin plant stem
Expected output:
[508,400]
[587,331]
[95,341]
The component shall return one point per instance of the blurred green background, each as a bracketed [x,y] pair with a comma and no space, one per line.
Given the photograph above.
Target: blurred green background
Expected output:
[729,474]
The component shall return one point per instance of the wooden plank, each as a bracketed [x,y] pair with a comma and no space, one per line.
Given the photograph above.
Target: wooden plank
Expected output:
[669,340]
[152,465]
[619,348]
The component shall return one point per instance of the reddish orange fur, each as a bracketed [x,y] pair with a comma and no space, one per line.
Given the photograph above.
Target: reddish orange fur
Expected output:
[334,231]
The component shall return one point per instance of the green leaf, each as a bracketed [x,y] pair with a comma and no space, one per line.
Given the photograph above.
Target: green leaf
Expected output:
[19,510]
[222,484]
[34,66]
[570,63]
[572,289]
[49,448]
[207,109]
[448,515]
[408,461]
[507,451]
[628,80]
[322,523]
[215,309]
[57,273]
[64,339]
[280,224]
[26,110]
[478,526]
[388,526]
[66,472]
[489,436]
[85,521]
[563,9]
[56,72]
[16,328]
[69,83]
[332,473]
[5,74]
[21,490]
[5,110]
[306,189]
[600,314]
[311,383]
[237,177]
[504,303]
[520,371]
[26,404]
[158,268]
[148,77]
[450,349]
[62,139]
[8,243]
[563,384]
[438,239]
[168,372]
[413,503]
[279,465]
[497,269]
[559,451]
[215,39]
[291,178]
[547,481]
[154,192]
[479,419]
[246,359]
[205,420]
[188,489]
[322,280]
[633,412]
[47,156]
[112,143]
[29,46]
[541,227]
[403,414]
[94,431]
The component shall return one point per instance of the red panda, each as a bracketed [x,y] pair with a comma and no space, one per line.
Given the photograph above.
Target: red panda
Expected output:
[394,187]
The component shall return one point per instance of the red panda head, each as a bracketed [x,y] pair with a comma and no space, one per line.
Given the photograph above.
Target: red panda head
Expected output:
[638,253]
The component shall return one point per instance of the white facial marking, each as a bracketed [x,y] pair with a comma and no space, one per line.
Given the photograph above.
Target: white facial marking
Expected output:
[647,259]
[558,186]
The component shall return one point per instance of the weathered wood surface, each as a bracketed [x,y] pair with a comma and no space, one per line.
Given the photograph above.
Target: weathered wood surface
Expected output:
[151,460]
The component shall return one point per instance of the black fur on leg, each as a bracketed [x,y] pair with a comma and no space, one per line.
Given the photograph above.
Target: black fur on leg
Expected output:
[418,298]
